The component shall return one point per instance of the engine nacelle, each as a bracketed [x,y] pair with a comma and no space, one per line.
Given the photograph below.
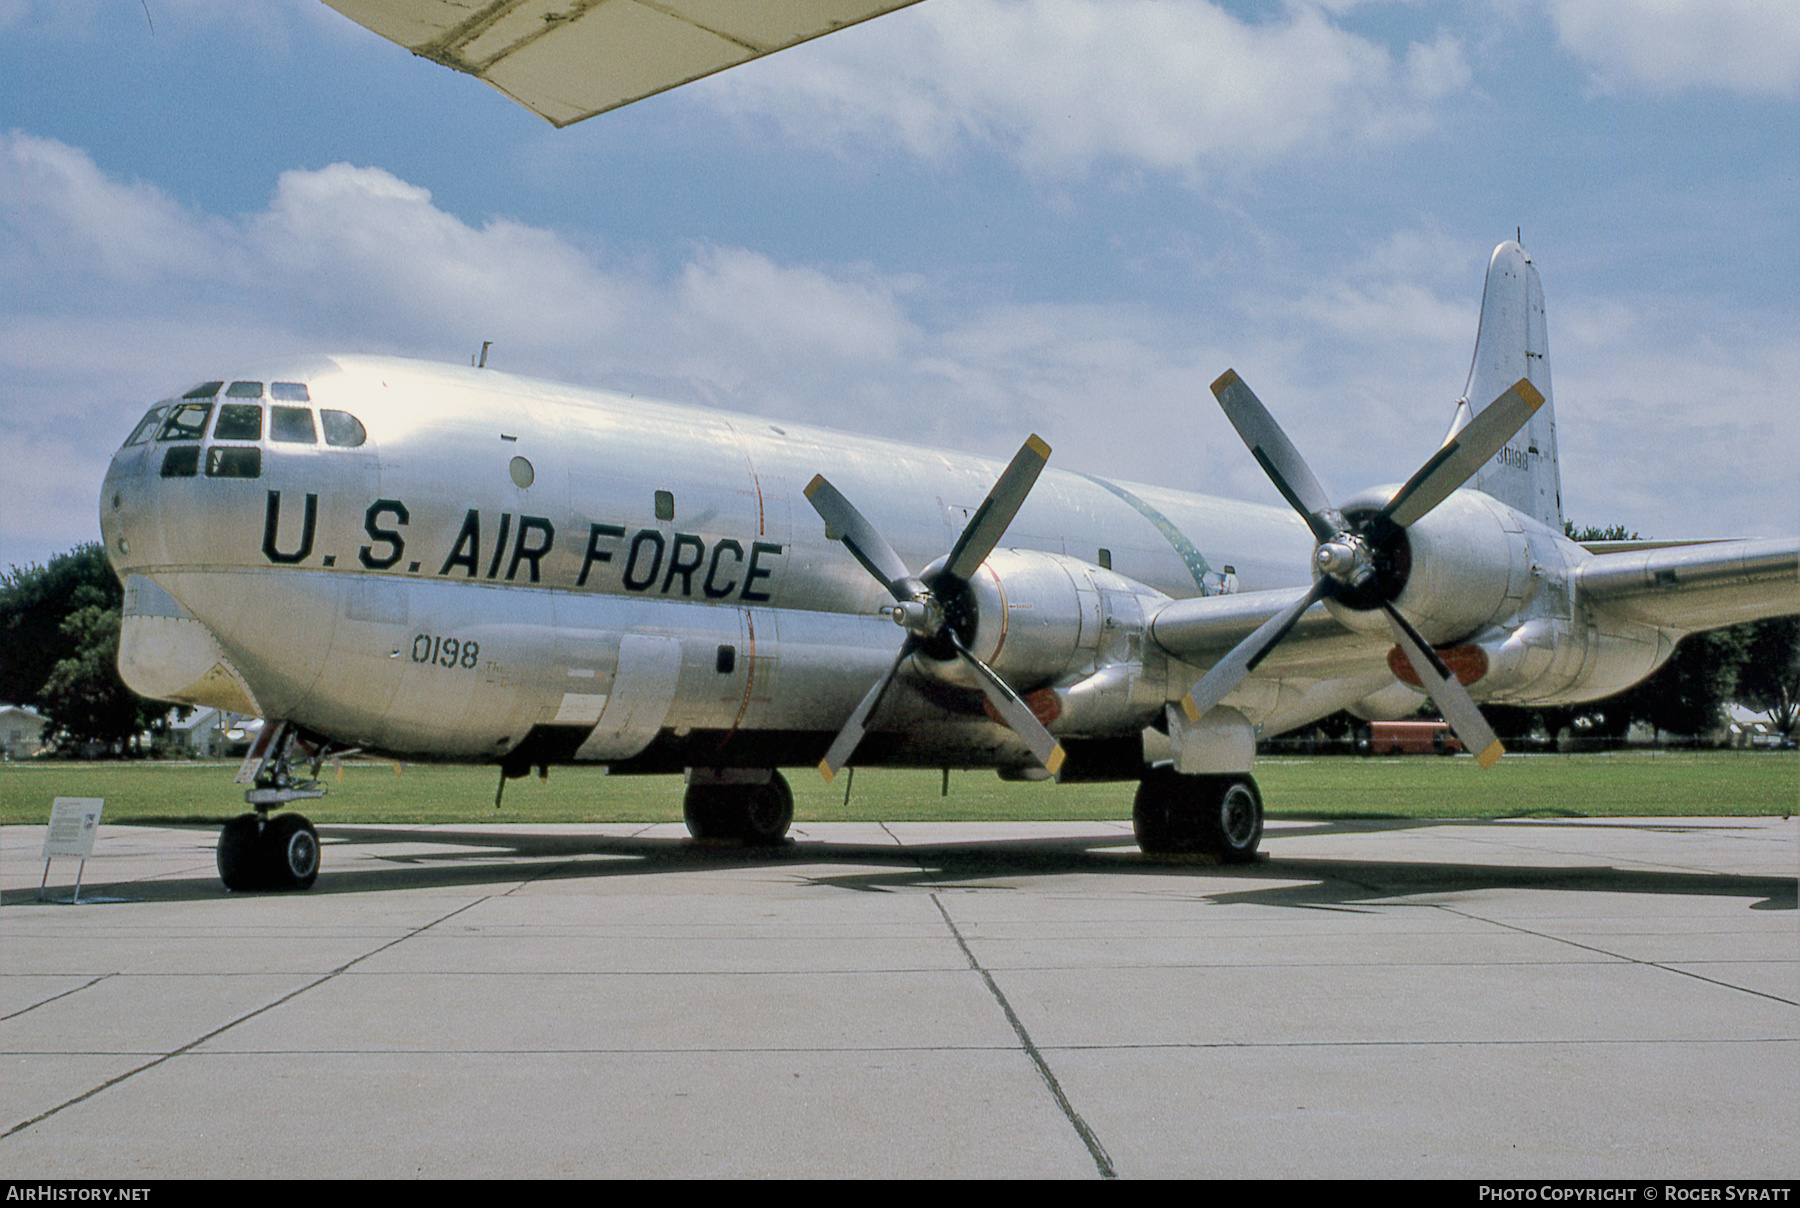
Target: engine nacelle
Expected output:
[1038,618]
[1463,566]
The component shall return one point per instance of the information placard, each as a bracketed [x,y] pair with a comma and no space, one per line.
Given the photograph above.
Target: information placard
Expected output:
[73,821]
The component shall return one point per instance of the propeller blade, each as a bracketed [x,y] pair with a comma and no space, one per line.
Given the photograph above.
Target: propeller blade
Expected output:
[1446,691]
[1464,452]
[989,523]
[848,738]
[860,537]
[1277,455]
[1230,671]
[1017,713]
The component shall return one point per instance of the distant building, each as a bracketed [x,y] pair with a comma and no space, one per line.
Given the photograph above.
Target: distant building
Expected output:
[21,731]
[209,734]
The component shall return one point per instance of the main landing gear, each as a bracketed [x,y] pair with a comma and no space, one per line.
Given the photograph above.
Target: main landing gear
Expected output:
[279,853]
[1219,816]
[749,806]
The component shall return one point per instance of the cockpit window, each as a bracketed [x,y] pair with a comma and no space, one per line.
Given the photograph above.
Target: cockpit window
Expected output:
[233,461]
[244,390]
[146,426]
[186,422]
[290,392]
[239,421]
[342,429]
[292,425]
[204,390]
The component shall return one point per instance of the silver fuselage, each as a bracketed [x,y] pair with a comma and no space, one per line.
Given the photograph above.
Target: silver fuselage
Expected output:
[636,583]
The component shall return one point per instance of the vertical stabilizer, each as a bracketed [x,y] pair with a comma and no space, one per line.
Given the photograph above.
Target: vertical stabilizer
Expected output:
[1512,344]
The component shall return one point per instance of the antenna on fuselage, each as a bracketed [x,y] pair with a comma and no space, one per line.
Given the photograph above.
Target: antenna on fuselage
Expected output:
[482,363]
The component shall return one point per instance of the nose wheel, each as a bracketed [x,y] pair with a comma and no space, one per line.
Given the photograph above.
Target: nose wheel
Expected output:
[257,852]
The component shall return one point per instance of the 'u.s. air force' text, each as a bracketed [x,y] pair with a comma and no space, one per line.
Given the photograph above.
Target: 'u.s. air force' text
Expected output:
[508,548]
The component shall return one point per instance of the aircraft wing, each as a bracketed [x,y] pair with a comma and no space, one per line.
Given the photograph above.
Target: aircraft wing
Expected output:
[1682,588]
[1204,629]
[566,60]
[1696,587]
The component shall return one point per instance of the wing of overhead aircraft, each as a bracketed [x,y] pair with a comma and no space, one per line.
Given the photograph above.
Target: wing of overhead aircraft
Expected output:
[566,60]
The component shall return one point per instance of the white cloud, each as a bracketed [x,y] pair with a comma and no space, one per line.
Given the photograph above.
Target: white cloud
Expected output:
[1751,47]
[1179,85]
[115,295]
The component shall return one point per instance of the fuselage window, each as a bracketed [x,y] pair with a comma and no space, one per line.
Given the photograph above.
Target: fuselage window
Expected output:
[186,422]
[232,461]
[342,429]
[182,461]
[238,421]
[244,390]
[291,426]
[204,390]
[290,392]
[147,425]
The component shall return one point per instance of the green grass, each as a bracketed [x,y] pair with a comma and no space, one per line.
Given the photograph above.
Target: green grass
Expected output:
[1671,783]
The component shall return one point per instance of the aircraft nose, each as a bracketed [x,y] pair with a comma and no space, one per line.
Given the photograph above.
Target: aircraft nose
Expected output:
[128,506]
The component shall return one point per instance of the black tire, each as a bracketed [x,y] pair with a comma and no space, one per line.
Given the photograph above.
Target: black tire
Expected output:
[768,811]
[757,815]
[291,847]
[706,810]
[1230,818]
[1156,813]
[1220,816]
[240,854]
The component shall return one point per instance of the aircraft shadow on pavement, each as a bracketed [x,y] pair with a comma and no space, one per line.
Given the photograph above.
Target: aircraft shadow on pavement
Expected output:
[487,857]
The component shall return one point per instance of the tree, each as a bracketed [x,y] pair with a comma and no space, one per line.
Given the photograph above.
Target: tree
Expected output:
[59,650]
[1769,680]
[1612,532]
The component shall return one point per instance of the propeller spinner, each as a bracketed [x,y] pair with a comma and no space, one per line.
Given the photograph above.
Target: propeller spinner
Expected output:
[1361,563]
[932,607]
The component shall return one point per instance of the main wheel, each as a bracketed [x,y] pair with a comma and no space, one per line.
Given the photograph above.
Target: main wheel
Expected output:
[1231,823]
[1215,815]
[1156,813]
[241,865]
[291,846]
[768,812]
[706,808]
[755,814]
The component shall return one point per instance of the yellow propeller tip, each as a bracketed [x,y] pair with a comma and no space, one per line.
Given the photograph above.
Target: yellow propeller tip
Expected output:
[825,771]
[1491,756]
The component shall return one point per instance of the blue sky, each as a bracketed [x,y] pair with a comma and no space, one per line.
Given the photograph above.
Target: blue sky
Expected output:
[958,223]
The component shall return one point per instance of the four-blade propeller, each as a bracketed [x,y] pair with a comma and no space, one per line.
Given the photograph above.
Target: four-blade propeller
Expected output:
[934,607]
[1354,559]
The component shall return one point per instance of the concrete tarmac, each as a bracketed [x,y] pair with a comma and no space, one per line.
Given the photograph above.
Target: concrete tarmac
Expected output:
[1543,1000]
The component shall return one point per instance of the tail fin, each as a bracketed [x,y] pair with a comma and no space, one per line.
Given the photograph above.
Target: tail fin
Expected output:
[1512,344]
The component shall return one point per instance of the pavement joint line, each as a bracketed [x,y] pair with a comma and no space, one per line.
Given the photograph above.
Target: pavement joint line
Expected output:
[74,990]
[1666,968]
[1102,1161]
[1122,1046]
[225,1027]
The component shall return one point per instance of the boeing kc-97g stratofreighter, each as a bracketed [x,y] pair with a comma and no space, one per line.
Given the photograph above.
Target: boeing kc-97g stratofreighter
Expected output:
[451,563]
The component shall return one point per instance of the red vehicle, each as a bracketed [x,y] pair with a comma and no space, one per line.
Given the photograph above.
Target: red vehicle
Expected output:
[1411,738]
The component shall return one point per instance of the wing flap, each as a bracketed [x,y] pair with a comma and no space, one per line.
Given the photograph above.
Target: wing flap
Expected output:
[566,60]
[1695,587]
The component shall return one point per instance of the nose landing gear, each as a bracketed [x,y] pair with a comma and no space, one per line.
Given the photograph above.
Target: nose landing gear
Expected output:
[257,851]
